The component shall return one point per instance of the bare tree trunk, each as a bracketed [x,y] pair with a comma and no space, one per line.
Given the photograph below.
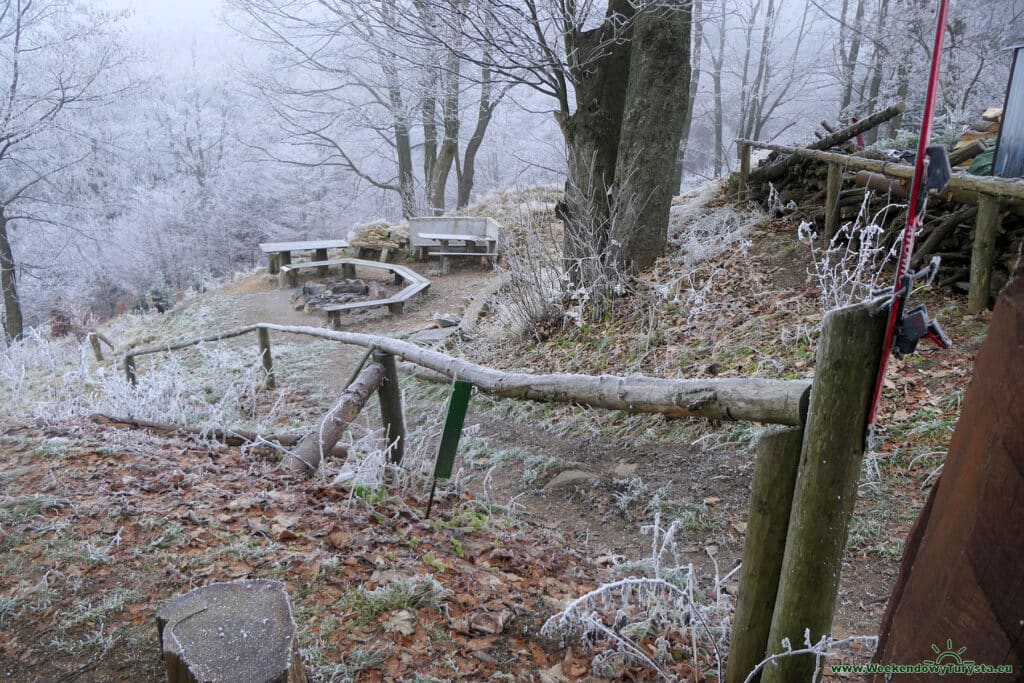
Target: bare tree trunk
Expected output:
[13,323]
[759,87]
[403,146]
[656,99]
[429,112]
[696,44]
[877,67]
[450,144]
[850,56]
[484,112]
[716,78]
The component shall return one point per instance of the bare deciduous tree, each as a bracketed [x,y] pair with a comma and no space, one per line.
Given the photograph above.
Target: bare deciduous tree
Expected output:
[56,58]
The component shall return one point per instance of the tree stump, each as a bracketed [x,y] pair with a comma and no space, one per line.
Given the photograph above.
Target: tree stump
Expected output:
[238,632]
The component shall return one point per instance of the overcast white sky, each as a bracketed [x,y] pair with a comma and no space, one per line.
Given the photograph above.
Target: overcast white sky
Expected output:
[168,29]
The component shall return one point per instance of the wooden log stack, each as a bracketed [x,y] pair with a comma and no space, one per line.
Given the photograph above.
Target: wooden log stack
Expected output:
[803,188]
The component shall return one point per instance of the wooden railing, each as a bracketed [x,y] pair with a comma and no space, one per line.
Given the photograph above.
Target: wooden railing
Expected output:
[805,481]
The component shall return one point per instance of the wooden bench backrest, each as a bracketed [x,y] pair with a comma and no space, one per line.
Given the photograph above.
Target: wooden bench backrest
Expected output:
[453,225]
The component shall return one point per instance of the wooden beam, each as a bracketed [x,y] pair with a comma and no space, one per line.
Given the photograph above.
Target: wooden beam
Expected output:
[752,399]
[833,183]
[310,451]
[848,357]
[778,459]
[982,253]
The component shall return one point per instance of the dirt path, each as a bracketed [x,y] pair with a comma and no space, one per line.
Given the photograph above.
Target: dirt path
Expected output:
[608,490]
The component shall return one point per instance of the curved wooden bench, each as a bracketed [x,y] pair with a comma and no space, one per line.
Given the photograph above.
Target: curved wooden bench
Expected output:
[415,283]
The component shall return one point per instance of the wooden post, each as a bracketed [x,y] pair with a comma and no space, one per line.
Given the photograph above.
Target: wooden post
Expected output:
[348,271]
[129,370]
[741,190]
[320,255]
[847,362]
[833,183]
[268,364]
[273,264]
[285,258]
[390,396]
[95,342]
[310,451]
[982,253]
[778,458]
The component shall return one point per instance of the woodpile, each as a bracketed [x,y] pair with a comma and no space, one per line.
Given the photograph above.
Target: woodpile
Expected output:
[798,186]
[379,235]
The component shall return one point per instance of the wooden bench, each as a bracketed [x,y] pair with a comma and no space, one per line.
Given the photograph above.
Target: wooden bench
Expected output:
[470,242]
[289,274]
[415,283]
[280,253]
[455,236]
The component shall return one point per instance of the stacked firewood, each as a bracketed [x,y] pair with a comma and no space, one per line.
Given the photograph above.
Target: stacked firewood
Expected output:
[796,186]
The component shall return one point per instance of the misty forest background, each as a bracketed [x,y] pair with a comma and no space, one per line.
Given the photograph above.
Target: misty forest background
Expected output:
[144,150]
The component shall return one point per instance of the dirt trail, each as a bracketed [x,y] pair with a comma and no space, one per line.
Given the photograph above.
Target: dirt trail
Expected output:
[622,483]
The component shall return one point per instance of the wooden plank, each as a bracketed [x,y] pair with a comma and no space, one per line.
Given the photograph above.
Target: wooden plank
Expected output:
[458,405]
[303,245]
[849,353]
[1006,188]
[778,459]
[982,254]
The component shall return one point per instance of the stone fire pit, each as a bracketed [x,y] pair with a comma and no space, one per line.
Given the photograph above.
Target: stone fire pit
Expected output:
[314,296]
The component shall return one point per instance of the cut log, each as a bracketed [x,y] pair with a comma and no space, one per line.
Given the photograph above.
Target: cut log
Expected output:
[826,488]
[228,437]
[239,632]
[966,153]
[311,449]
[778,458]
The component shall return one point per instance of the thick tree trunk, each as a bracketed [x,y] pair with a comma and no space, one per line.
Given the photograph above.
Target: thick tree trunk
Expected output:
[656,99]
[13,323]
[592,140]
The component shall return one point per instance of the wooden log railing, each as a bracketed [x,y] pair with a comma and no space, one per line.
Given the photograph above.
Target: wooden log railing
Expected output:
[750,399]
[805,482]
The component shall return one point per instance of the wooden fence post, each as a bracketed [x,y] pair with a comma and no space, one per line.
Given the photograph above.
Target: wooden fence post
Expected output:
[129,370]
[268,363]
[826,487]
[982,253]
[390,396]
[778,458]
[741,190]
[95,342]
[833,184]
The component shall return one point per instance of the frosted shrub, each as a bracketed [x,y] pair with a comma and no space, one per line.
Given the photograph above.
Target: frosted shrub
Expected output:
[851,266]
[660,598]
